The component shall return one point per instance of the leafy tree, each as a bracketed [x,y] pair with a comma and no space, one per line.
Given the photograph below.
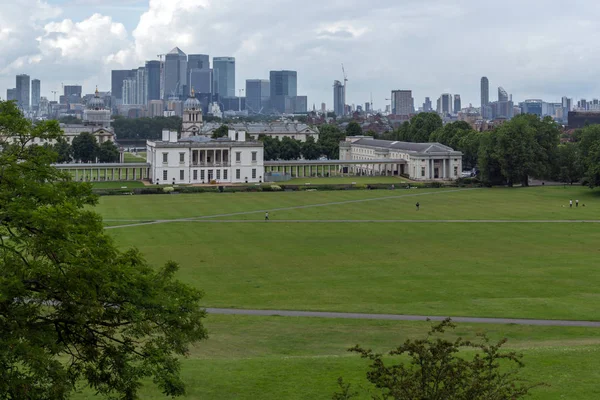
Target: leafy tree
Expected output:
[74,309]
[489,165]
[589,150]
[271,147]
[221,131]
[310,149]
[145,128]
[422,125]
[108,152]
[570,166]
[353,129]
[516,151]
[85,147]
[70,120]
[330,137]
[289,149]
[63,150]
[436,371]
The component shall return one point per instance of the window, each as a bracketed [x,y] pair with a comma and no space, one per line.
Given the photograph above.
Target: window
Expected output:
[181,174]
[202,175]
[253,173]
[165,158]
[224,174]
[422,171]
[165,175]
[237,174]
[218,174]
[254,156]
[195,174]
[238,156]
[455,171]
[181,158]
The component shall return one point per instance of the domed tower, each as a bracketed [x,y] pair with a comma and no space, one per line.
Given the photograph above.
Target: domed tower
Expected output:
[192,116]
[95,112]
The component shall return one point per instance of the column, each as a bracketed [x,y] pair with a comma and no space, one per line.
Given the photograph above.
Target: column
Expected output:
[76,174]
[444,169]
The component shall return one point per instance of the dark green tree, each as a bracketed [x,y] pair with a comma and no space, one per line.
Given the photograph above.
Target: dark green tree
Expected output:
[436,369]
[353,129]
[516,150]
[422,126]
[63,150]
[85,147]
[221,131]
[570,165]
[74,309]
[289,149]
[330,137]
[70,120]
[271,147]
[310,149]
[589,150]
[145,128]
[108,152]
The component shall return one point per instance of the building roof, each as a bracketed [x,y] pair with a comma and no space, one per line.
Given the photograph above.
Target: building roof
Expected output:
[266,128]
[406,146]
[177,51]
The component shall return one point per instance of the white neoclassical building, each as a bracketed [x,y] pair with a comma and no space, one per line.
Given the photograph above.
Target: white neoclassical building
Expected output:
[423,161]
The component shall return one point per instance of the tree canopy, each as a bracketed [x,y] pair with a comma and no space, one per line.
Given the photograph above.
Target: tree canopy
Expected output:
[436,370]
[330,137]
[221,131]
[85,147]
[289,149]
[108,152]
[310,149]
[74,309]
[353,129]
[145,128]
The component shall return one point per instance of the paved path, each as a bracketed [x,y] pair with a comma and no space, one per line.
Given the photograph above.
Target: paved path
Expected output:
[165,221]
[398,317]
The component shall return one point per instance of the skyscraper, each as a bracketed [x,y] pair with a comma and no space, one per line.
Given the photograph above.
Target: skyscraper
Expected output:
[201,80]
[35,94]
[457,104]
[258,92]
[427,105]
[224,76]
[117,77]
[339,98]
[284,85]
[153,80]
[485,92]
[142,84]
[445,104]
[23,91]
[502,94]
[199,61]
[402,102]
[175,73]
[11,94]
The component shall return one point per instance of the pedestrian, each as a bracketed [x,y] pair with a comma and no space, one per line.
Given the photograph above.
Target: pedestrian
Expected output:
[266,216]
[570,203]
[418,205]
[576,203]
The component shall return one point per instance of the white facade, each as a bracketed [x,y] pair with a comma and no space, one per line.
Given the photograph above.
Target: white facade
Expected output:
[424,161]
[205,160]
[278,130]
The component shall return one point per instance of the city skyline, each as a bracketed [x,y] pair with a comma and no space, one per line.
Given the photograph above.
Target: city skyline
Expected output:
[80,42]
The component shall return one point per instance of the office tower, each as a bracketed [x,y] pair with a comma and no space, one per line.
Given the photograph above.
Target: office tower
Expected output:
[35,94]
[224,76]
[141,83]
[457,104]
[323,108]
[155,108]
[23,89]
[11,94]
[445,104]
[427,105]
[72,90]
[284,85]
[201,80]
[367,107]
[297,104]
[129,91]
[502,94]
[175,73]
[339,98]
[485,92]
[153,80]
[258,92]
[402,102]
[116,83]
[199,61]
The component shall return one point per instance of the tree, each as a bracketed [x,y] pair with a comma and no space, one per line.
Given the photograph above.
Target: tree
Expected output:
[70,120]
[108,152]
[74,309]
[330,137]
[145,128]
[310,149]
[85,147]
[289,149]
[271,147]
[63,150]
[221,131]
[570,166]
[353,129]
[436,371]
[422,125]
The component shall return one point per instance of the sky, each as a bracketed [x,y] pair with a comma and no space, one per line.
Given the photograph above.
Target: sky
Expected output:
[534,49]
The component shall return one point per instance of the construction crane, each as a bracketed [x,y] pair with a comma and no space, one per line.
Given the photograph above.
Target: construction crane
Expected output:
[54,93]
[345,85]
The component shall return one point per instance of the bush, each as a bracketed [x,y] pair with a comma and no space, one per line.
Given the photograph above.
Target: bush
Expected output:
[168,189]
[213,182]
[276,188]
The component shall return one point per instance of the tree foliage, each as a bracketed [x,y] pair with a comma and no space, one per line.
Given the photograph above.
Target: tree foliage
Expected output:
[353,129]
[330,137]
[145,128]
[436,370]
[75,310]
[108,152]
[85,147]
[289,149]
[221,131]
[271,147]
[310,149]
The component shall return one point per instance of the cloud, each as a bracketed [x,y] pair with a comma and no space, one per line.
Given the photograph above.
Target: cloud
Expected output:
[430,47]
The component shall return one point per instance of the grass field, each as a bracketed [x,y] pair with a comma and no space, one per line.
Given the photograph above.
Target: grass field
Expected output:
[134,158]
[361,180]
[518,269]
[117,185]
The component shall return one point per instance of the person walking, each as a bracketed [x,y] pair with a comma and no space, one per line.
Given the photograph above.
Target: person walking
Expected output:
[266,216]
[418,205]
[570,203]
[576,203]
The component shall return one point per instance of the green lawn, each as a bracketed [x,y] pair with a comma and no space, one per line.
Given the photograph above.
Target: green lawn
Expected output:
[133,158]
[522,270]
[301,358]
[362,180]
[117,185]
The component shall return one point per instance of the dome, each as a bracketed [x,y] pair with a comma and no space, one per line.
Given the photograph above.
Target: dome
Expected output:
[96,103]
[192,103]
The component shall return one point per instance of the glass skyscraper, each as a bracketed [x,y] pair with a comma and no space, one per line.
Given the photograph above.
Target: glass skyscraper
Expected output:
[224,76]
[153,80]
[284,84]
[23,91]
[175,73]
[257,95]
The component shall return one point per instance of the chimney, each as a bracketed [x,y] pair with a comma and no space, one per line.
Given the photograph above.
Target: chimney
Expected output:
[165,135]
[173,136]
